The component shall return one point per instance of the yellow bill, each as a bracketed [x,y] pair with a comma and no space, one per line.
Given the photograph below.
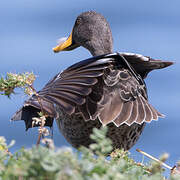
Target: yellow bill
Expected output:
[65,44]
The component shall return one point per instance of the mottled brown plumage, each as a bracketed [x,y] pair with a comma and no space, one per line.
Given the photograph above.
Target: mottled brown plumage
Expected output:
[107,89]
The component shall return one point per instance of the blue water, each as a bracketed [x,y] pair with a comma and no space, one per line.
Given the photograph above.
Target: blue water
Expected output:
[29,29]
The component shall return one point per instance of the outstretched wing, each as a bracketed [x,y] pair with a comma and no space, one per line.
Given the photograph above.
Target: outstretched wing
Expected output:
[101,88]
[70,88]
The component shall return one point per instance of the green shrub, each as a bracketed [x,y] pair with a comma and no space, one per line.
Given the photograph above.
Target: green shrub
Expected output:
[64,164]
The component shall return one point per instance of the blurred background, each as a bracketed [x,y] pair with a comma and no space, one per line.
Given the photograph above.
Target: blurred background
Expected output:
[29,29]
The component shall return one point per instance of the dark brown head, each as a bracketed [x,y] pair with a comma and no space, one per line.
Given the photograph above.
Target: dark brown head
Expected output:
[92,31]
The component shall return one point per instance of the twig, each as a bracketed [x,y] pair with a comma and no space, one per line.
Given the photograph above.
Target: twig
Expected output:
[153,158]
[39,101]
[37,95]
[157,160]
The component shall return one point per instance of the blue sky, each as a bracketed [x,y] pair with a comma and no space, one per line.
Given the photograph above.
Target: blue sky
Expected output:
[29,29]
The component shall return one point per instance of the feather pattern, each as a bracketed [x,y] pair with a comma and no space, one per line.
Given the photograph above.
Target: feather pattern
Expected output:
[102,87]
[98,89]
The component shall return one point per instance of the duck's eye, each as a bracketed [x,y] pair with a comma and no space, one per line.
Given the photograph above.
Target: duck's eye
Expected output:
[78,21]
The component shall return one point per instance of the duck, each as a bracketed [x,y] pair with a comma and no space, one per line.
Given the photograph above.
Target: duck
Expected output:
[107,89]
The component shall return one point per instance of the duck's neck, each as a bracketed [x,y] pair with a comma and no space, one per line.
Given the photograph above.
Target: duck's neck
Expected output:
[98,52]
[99,47]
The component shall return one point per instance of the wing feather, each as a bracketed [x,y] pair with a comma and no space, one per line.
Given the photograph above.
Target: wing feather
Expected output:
[76,99]
[141,111]
[125,113]
[134,114]
[149,114]
[71,89]
[112,109]
[68,107]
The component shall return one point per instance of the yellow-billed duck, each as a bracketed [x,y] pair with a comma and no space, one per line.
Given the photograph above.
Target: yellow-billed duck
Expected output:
[107,89]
